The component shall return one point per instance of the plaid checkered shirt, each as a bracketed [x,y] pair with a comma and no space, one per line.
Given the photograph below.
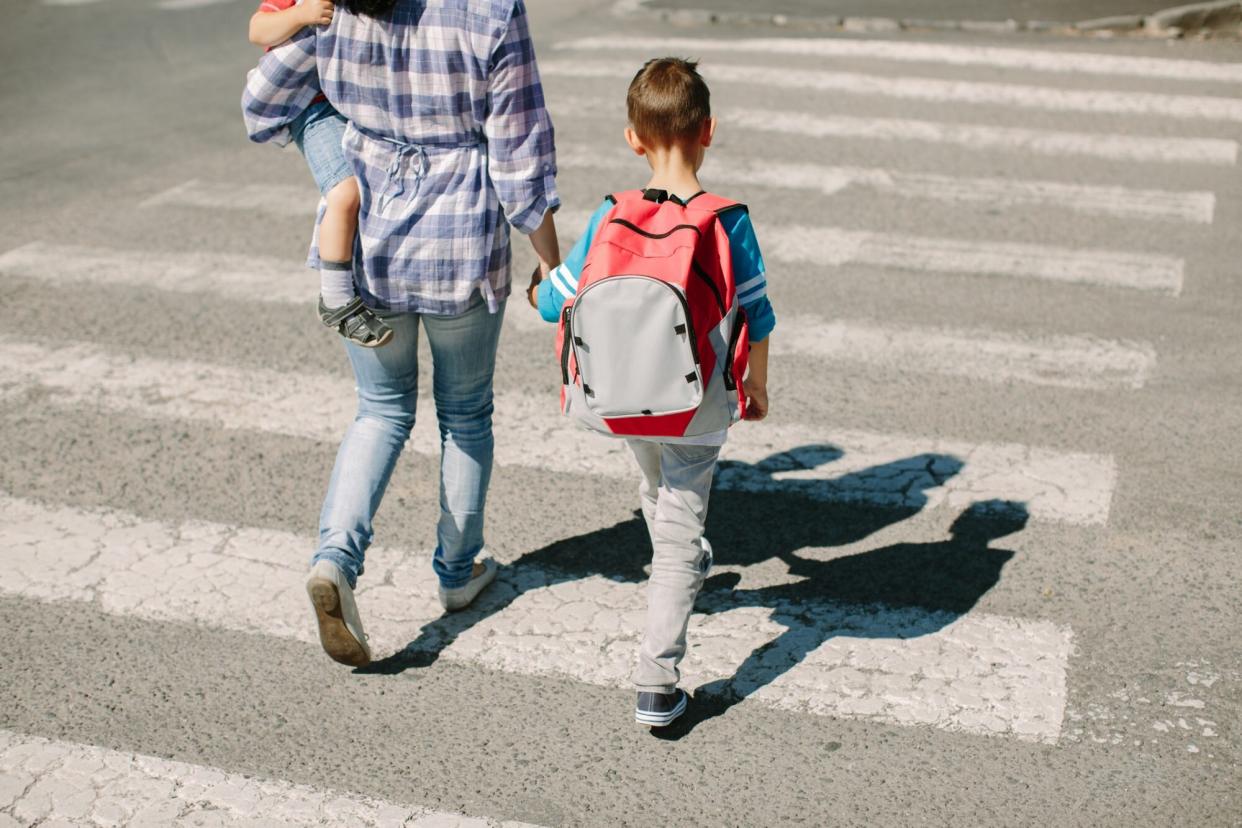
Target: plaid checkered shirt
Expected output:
[449,137]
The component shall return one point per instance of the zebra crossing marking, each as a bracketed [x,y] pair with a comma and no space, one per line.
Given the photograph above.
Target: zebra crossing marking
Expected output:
[911,51]
[937,90]
[806,460]
[1190,206]
[1112,147]
[819,246]
[986,356]
[1080,362]
[274,199]
[1063,361]
[183,5]
[1105,268]
[985,137]
[974,672]
[48,782]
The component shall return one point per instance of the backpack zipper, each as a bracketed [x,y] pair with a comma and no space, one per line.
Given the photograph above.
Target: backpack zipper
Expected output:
[567,344]
[698,271]
[702,274]
[631,226]
[729,381]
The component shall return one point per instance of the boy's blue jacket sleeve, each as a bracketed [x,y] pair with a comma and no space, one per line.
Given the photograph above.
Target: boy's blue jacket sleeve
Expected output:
[562,283]
[749,274]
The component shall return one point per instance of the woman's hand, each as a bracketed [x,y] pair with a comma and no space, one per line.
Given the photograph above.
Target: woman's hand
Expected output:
[532,290]
[548,251]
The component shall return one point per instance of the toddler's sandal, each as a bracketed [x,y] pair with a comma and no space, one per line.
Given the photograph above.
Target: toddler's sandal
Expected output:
[357,323]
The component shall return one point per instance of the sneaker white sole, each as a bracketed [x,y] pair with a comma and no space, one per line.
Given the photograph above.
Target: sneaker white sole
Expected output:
[457,599]
[661,719]
[338,642]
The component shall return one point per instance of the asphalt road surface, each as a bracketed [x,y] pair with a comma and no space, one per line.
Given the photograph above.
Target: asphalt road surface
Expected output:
[980,567]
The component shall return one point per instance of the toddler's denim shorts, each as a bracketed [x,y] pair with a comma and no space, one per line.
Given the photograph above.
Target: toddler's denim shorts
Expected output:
[318,132]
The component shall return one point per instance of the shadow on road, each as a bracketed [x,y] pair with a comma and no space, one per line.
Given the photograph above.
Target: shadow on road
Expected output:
[759,514]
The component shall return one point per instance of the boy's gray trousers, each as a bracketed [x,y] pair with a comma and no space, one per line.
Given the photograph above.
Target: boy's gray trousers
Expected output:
[677,480]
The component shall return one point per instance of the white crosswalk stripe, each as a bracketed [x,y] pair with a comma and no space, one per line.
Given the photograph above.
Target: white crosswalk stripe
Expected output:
[974,136]
[812,461]
[273,199]
[1019,96]
[182,5]
[1056,143]
[976,673]
[976,354]
[1191,206]
[46,782]
[909,51]
[987,356]
[1067,362]
[836,247]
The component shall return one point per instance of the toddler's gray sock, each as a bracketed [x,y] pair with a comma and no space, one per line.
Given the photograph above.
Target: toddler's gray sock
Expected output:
[336,283]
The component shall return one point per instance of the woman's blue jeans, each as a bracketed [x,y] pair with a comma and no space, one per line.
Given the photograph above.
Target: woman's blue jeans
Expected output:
[463,356]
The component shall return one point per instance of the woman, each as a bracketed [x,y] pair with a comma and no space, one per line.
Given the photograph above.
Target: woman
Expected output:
[451,143]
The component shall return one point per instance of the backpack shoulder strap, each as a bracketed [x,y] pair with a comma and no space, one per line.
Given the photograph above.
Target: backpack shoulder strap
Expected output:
[714,203]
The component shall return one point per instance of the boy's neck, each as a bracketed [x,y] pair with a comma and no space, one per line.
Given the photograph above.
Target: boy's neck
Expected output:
[673,171]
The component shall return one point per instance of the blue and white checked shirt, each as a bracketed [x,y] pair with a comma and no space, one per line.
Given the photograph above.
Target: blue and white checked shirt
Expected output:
[448,135]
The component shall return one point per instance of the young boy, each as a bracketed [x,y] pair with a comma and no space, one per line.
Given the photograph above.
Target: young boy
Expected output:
[670,123]
[318,132]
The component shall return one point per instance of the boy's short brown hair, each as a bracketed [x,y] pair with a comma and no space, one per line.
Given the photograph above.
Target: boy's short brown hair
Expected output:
[668,102]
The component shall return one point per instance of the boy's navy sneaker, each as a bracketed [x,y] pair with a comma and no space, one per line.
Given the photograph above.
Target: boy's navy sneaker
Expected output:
[660,709]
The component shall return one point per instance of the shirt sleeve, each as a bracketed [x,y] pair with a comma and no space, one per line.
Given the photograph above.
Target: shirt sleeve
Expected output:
[280,88]
[521,144]
[562,283]
[750,274]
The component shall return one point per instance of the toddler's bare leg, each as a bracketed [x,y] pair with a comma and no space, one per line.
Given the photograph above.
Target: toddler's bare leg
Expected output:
[336,243]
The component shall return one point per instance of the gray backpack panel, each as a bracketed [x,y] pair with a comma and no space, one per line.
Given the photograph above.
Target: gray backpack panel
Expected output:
[634,344]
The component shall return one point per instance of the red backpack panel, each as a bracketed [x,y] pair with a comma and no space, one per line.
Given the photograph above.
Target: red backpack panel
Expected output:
[654,344]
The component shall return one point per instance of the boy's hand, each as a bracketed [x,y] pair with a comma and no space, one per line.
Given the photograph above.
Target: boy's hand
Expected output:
[756,399]
[318,12]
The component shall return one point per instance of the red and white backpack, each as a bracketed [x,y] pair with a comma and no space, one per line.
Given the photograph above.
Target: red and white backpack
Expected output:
[655,343]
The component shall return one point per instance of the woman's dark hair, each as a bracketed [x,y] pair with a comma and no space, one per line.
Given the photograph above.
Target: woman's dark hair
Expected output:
[370,8]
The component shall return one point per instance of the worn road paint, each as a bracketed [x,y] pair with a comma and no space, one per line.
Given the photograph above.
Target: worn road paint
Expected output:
[986,356]
[1191,206]
[803,460]
[910,51]
[936,90]
[976,673]
[45,782]
[981,137]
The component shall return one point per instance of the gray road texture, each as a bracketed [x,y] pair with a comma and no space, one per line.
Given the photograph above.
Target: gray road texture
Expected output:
[109,104]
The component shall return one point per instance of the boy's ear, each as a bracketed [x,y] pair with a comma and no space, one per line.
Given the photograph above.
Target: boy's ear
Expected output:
[709,132]
[631,138]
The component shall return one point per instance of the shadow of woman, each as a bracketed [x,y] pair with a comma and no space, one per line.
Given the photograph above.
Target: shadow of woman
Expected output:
[900,591]
[755,515]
